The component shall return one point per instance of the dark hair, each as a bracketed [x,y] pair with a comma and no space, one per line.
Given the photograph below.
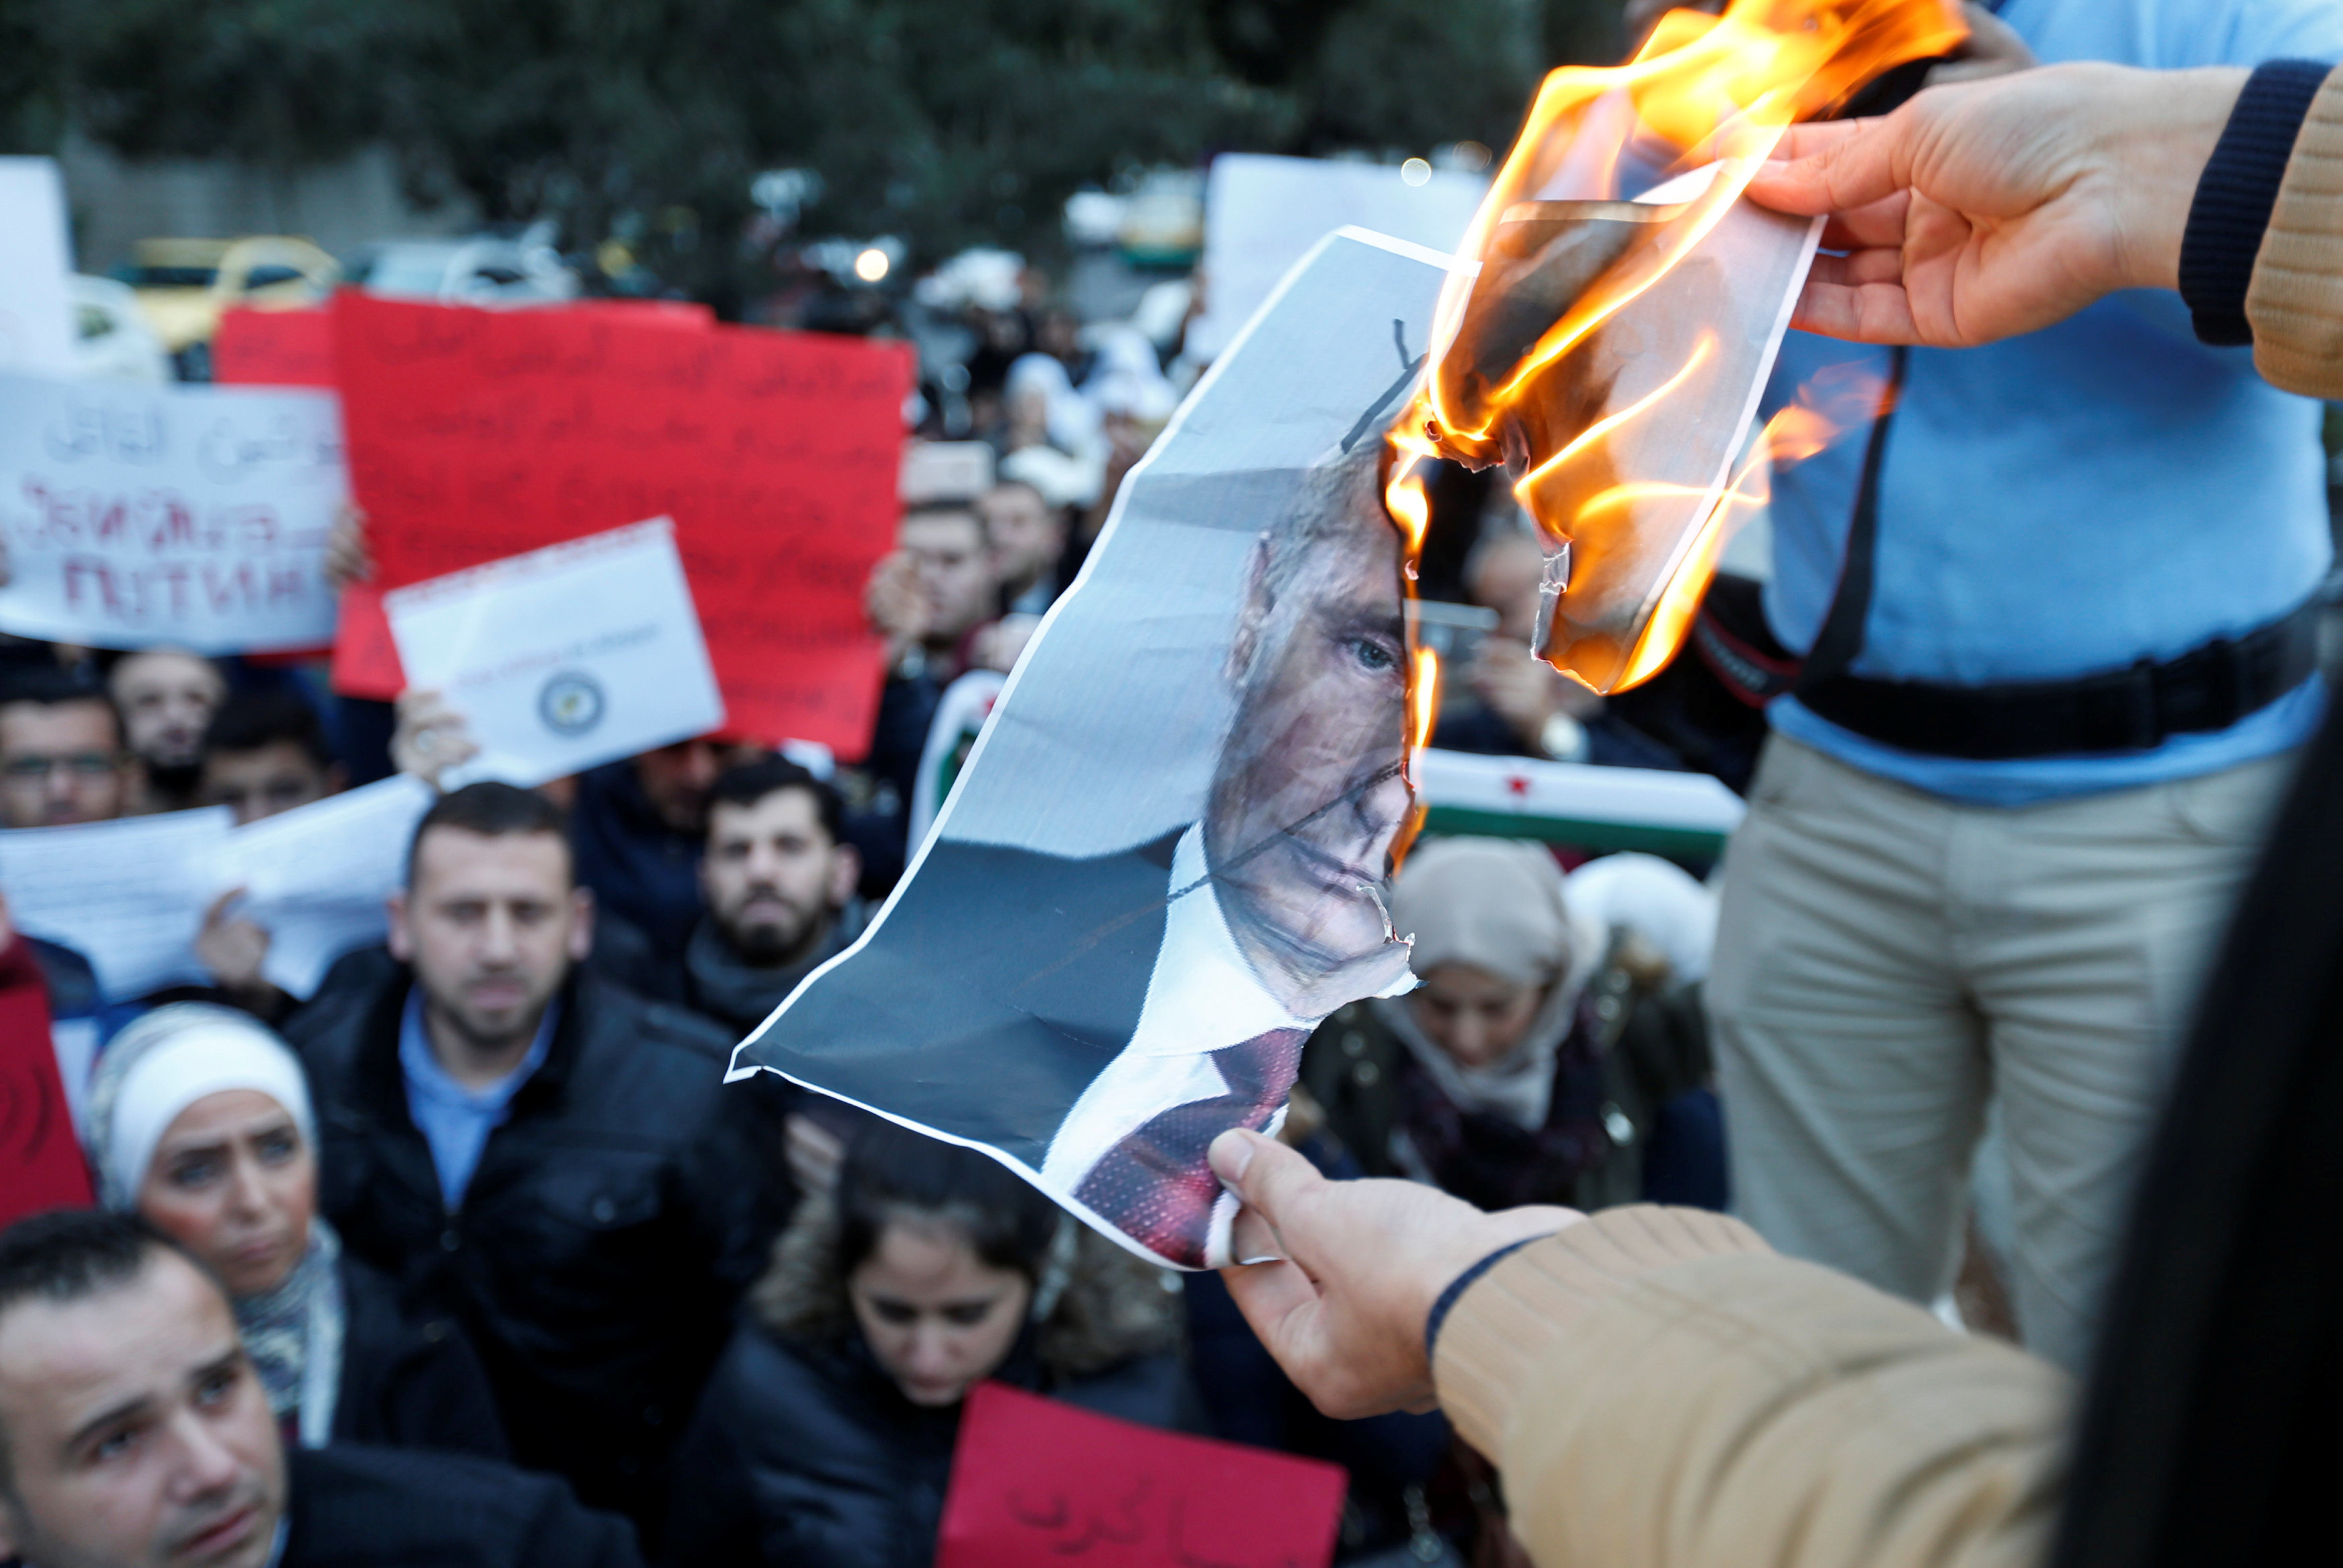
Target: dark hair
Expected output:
[52,685]
[67,1255]
[890,1170]
[752,781]
[491,809]
[249,720]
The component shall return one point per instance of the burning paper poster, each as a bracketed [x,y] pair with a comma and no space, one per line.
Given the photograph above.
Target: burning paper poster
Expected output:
[1163,863]
[1611,347]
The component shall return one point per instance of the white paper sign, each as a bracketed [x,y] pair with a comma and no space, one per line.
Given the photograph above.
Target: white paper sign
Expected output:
[36,319]
[127,896]
[564,657]
[130,895]
[193,515]
[1262,214]
[316,878]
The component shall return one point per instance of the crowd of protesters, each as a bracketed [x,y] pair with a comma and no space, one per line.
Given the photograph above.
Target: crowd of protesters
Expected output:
[471,1255]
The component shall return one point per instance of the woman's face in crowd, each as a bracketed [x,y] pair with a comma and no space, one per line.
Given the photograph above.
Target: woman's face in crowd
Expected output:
[1474,1016]
[233,1182]
[938,1317]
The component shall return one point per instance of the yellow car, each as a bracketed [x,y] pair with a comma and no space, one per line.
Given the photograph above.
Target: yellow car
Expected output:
[183,284]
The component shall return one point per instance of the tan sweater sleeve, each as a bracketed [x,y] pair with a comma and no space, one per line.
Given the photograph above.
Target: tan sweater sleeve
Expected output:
[1660,1391]
[2296,300]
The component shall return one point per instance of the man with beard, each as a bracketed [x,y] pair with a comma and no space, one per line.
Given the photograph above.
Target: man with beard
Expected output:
[135,1433]
[1100,1019]
[779,881]
[166,697]
[62,759]
[541,1156]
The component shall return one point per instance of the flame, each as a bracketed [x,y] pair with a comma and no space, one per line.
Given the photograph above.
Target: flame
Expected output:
[1422,701]
[1410,508]
[1618,177]
[1837,398]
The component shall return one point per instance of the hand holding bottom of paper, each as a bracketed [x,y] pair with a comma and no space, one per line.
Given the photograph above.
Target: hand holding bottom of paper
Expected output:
[1360,1264]
[1155,1185]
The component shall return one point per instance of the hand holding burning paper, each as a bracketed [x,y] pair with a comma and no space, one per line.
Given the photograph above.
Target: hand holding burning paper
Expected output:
[1611,347]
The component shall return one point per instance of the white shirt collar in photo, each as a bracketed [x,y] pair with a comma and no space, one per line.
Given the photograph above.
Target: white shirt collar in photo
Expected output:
[1204,997]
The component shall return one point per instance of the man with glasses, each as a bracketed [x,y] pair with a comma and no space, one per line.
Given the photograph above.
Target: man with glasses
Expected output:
[62,759]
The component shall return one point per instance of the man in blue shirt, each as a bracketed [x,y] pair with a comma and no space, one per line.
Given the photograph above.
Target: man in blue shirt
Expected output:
[2004,812]
[550,1161]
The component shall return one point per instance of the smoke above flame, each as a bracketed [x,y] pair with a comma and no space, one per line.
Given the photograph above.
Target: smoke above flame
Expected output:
[1541,360]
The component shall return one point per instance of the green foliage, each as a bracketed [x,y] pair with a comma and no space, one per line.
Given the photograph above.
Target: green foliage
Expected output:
[947,121]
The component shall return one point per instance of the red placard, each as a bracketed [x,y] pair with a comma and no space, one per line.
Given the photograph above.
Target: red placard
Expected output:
[273,347]
[40,1159]
[1034,1480]
[480,434]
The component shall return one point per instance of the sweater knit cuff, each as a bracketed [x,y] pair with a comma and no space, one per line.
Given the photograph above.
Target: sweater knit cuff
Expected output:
[1502,1325]
[2236,193]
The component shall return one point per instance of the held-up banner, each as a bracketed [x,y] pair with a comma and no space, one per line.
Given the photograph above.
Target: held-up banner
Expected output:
[1164,860]
[480,433]
[195,516]
[574,655]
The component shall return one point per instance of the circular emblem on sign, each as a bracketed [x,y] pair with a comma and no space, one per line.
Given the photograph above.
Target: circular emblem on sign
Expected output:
[571,703]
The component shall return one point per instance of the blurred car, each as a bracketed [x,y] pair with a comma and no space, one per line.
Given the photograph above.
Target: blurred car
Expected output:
[111,341]
[183,284]
[484,269]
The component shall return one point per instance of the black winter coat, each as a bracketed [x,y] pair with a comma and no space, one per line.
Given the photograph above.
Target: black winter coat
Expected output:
[360,1507]
[611,1225]
[409,1382]
[809,1456]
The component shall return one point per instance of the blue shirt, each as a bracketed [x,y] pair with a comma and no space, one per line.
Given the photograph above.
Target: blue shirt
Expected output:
[2069,502]
[454,1120]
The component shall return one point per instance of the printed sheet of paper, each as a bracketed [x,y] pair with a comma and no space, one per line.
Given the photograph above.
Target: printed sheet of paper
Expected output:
[195,516]
[480,433]
[1037,1480]
[127,896]
[1163,861]
[41,1164]
[1263,213]
[36,317]
[316,878]
[566,657]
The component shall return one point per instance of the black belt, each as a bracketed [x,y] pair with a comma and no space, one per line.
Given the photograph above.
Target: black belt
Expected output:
[2209,688]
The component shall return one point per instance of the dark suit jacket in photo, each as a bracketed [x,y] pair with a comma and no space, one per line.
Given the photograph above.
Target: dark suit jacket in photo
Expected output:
[1000,984]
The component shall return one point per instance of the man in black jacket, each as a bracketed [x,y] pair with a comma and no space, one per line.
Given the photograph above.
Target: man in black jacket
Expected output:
[133,1433]
[546,1159]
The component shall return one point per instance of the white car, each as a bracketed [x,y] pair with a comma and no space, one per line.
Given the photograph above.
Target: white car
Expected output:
[111,340]
[483,270]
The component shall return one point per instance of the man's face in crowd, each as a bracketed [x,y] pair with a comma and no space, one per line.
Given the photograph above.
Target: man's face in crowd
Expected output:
[772,875]
[61,762]
[491,923]
[955,573]
[1025,533]
[1505,578]
[265,780]
[135,1434]
[676,780]
[167,697]
[1307,794]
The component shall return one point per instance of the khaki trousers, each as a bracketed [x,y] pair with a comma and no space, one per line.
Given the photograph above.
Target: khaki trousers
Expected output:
[1888,961]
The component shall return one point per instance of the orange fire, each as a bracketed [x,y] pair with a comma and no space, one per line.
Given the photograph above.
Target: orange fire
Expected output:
[1607,349]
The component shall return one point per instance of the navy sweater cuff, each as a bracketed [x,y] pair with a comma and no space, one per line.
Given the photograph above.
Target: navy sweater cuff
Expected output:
[2236,193]
[1459,1285]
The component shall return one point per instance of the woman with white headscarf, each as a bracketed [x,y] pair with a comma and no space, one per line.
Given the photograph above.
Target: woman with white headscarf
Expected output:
[200,1121]
[1538,1059]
